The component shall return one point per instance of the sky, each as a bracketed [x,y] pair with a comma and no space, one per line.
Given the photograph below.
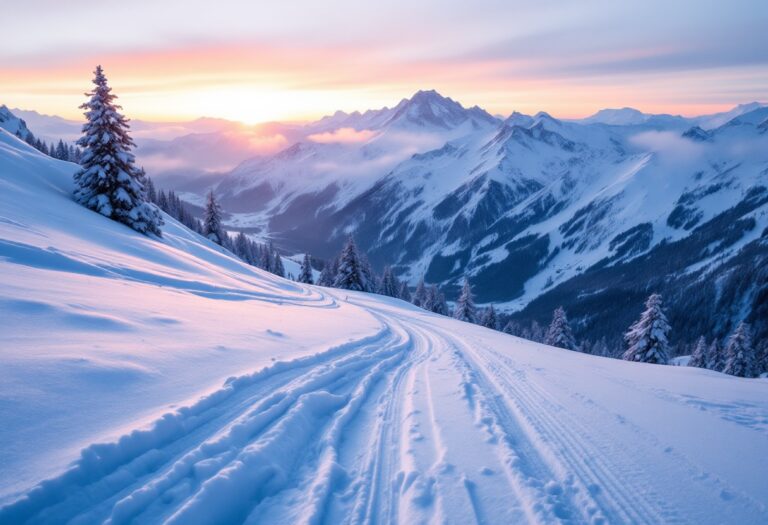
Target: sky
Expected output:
[257,61]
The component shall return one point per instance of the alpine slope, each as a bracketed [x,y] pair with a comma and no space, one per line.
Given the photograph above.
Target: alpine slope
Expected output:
[154,380]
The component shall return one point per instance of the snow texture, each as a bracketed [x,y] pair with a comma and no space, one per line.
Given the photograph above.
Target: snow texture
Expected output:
[163,381]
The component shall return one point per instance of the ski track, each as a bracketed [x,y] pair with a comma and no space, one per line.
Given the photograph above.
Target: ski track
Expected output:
[374,431]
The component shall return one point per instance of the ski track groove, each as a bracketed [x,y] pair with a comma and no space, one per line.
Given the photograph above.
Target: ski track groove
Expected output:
[364,433]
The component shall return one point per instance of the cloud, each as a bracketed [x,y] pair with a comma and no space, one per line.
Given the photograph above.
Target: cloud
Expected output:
[342,136]
[668,145]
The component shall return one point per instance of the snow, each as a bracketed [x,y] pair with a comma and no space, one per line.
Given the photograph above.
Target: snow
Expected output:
[163,381]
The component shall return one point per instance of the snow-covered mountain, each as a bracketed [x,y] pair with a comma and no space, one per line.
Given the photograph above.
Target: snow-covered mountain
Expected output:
[522,205]
[151,380]
[13,124]
[445,191]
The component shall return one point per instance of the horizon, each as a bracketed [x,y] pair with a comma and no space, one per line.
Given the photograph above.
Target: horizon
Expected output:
[725,107]
[275,63]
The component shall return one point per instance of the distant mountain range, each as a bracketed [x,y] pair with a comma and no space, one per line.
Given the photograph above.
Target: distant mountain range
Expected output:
[536,211]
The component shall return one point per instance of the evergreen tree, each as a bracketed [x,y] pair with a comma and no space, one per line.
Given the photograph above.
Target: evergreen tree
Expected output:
[405,292]
[241,246]
[489,318]
[305,274]
[537,332]
[328,274]
[441,305]
[162,201]
[151,192]
[559,333]
[465,305]
[511,328]
[420,295]
[715,356]
[389,285]
[740,356]
[278,268]
[647,338]
[700,355]
[350,274]
[212,229]
[762,358]
[108,181]
[368,274]
[62,153]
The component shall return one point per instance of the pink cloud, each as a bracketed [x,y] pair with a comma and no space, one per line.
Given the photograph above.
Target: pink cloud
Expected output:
[342,135]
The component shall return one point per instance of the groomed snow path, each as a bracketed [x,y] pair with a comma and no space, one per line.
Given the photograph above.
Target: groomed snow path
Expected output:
[418,424]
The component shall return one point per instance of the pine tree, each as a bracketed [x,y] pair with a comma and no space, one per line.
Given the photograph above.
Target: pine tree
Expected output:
[389,285]
[647,338]
[405,292]
[465,305]
[715,356]
[511,328]
[420,295]
[489,318]
[62,153]
[151,192]
[740,356]
[328,274]
[278,268]
[441,305]
[368,274]
[700,356]
[762,358]
[351,274]
[108,181]
[559,333]
[211,218]
[305,274]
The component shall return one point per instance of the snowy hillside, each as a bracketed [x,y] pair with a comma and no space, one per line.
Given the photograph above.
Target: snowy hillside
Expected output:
[162,381]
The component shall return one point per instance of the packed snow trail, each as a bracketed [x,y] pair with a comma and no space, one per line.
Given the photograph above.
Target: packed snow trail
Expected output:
[417,423]
[341,408]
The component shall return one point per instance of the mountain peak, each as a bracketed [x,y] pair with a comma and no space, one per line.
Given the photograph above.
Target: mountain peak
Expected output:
[617,117]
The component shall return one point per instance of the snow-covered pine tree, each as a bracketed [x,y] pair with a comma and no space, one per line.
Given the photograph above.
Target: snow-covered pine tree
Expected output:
[368,274]
[559,333]
[740,355]
[441,305]
[715,356]
[350,274]
[108,181]
[489,318]
[511,328]
[278,268]
[305,274]
[420,294]
[327,276]
[151,191]
[537,332]
[647,338]
[700,355]
[405,292]
[241,246]
[62,152]
[211,219]
[389,285]
[465,305]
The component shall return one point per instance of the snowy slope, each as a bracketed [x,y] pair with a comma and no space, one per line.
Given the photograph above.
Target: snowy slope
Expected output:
[342,407]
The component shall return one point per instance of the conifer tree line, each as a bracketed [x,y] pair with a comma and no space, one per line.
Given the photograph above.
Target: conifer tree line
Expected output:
[647,341]
[59,150]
